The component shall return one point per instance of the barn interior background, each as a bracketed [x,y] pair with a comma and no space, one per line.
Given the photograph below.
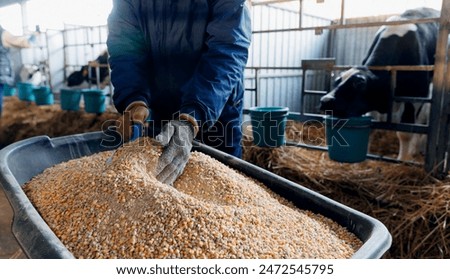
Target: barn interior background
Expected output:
[298,47]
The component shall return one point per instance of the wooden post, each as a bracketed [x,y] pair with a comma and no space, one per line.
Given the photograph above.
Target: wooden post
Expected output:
[437,146]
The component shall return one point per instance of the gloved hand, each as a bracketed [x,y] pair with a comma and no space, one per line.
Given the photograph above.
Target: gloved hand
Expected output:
[32,39]
[136,113]
[176,137]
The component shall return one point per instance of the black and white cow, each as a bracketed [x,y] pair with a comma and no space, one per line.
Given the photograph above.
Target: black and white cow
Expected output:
[359,90]
[80,78]
[31,73]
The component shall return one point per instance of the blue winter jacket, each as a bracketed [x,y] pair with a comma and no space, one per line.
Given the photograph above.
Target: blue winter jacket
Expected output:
[6,71]
[181,56]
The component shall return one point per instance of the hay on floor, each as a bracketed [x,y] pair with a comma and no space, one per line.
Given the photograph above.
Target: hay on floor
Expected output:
[21,120]
[414,206]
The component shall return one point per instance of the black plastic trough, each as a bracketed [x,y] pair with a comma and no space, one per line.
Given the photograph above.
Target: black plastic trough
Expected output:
[21,161]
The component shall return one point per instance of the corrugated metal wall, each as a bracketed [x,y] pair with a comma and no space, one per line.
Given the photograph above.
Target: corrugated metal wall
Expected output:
[56,58]
[281,87]
[350,45]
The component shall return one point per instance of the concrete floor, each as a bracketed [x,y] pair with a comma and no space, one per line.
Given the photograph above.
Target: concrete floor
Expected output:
[9,248]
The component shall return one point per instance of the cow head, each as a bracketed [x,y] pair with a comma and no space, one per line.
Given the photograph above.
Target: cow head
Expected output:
[354,94]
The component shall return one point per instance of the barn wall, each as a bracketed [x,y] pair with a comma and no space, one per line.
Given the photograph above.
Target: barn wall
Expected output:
[73,47]
[81,45]
[281,49]
[65,51]
[347,46]
[56,58]
[350,45]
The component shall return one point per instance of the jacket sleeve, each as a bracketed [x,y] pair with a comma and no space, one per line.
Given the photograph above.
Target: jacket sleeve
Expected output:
[222,63]
[9,40]
[127,55]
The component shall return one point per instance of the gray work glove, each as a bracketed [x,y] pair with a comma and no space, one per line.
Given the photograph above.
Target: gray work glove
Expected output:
[136,113]
[176,137]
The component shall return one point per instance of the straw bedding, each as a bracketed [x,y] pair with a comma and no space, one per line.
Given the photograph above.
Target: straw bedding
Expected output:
[414,206]
[21,120]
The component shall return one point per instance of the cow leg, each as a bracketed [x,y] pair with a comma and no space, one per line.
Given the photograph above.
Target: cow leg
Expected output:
[105,82]
[403,152]
[413,145]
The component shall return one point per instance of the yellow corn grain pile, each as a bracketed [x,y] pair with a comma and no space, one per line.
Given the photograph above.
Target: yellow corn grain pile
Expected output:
[120,210]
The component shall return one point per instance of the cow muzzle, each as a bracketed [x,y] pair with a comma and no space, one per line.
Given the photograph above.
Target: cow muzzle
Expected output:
[327,101]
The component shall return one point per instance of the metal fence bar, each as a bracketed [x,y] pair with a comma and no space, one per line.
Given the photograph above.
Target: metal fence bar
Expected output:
[325,64]
[300,14]
[413,99]
[346,67]
[342,19]
[402,127]
[349,25]
[369,156]
[268,2]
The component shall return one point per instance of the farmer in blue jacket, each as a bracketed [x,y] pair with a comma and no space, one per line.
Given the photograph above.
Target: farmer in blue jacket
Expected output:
[184,62]
[8,41]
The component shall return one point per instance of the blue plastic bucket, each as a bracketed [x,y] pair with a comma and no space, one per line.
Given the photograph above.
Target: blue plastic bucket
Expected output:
[25,91]
[8,90]
[43,95]
[94,101]
[268,125]
[70,99]
[347,138]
